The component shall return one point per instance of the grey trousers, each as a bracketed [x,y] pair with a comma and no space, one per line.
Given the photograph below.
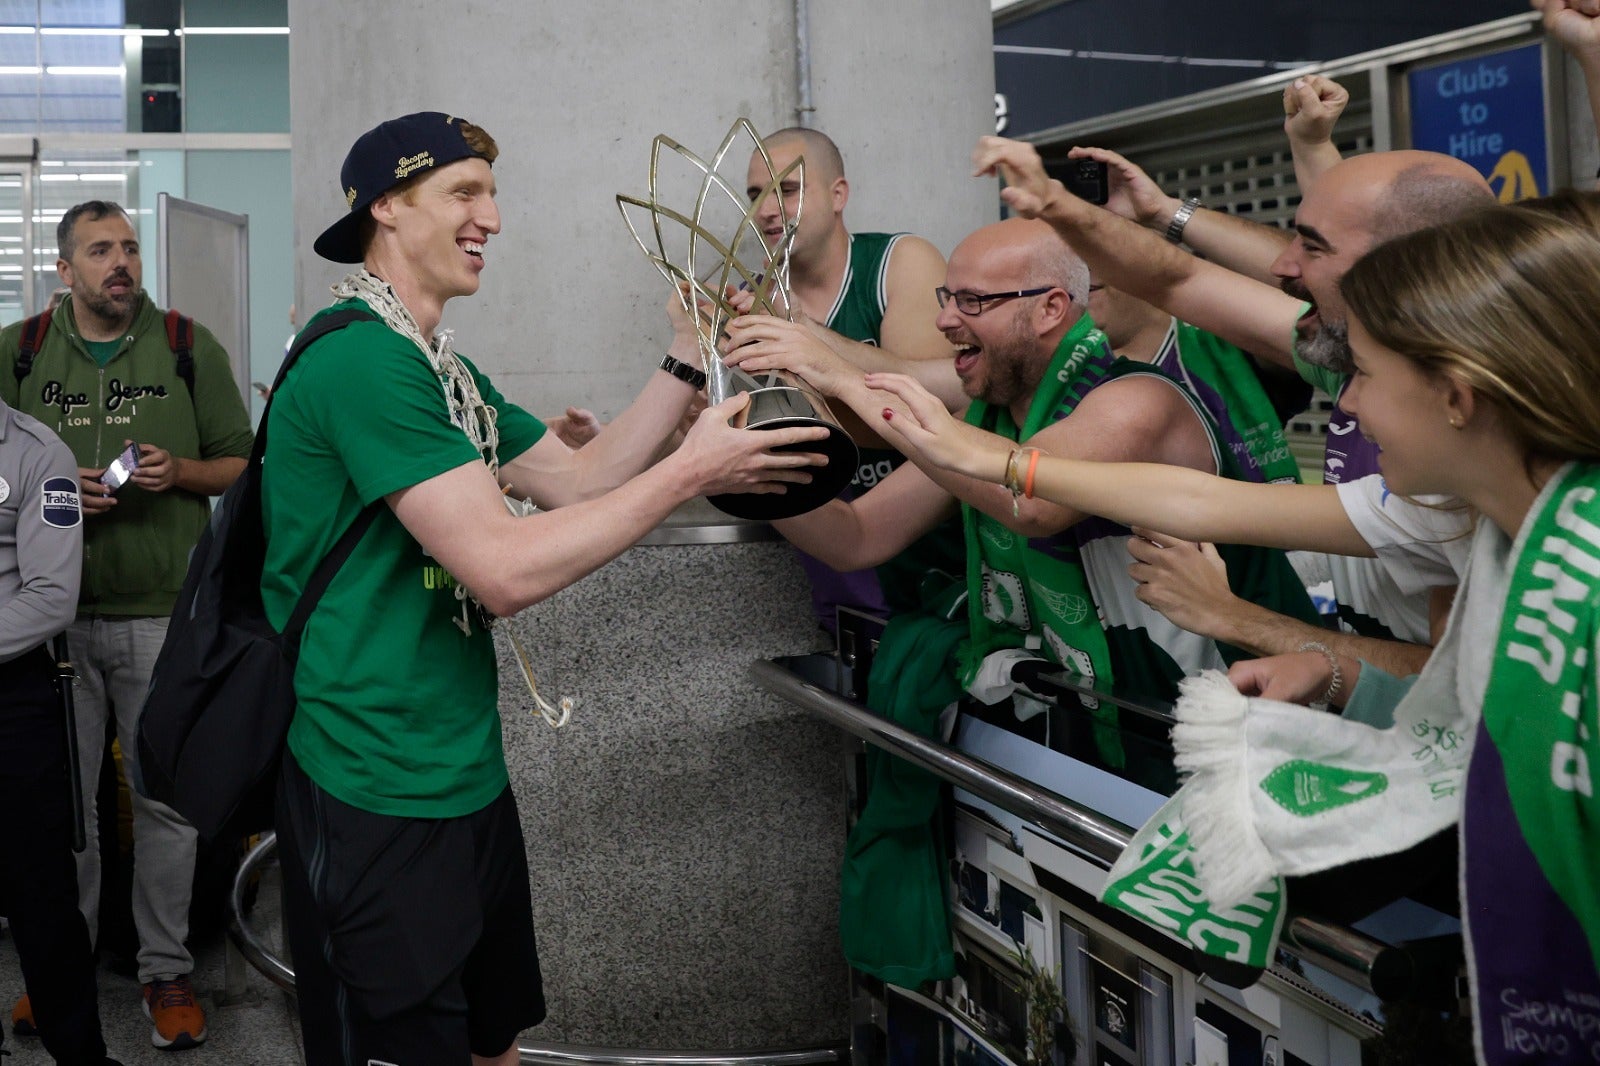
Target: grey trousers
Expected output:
[114,657]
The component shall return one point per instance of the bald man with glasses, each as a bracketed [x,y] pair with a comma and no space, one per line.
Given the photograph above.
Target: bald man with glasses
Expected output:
[1047,578]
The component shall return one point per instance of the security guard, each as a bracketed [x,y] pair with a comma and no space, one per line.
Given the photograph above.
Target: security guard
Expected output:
[41,544]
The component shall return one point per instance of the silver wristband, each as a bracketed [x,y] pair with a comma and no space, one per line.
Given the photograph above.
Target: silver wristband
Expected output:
[1336,681]
[1180,219]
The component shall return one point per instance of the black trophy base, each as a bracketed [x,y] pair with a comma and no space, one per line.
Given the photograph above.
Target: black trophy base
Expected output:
[826,481]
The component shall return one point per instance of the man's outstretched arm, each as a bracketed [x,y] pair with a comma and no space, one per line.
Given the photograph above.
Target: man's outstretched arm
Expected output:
[1576,25]
[555,474]
[1245,312]
[759,343]
[508,562]
[1230,241]
[1189,584]
[875,526]
[1311,107]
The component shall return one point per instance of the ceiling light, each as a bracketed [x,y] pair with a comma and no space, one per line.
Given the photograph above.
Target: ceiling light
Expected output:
[233,31]
[101,31]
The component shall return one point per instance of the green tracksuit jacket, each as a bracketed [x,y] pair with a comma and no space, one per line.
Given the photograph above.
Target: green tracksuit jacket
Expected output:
[135,556]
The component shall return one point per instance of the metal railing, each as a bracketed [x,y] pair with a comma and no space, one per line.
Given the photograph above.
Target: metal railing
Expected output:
[1371,965]
[1376,967]
[255,950]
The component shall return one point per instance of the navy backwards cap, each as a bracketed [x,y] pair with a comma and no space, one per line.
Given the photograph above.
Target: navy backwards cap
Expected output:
[382,158]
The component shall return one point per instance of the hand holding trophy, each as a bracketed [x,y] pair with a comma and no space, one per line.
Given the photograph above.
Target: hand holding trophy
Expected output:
[698,251]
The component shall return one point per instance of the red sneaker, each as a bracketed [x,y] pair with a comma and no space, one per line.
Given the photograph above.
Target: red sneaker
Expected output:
[22,1018]
[178,1021]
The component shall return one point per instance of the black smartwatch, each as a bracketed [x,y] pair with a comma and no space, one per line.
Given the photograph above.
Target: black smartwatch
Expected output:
[683,372]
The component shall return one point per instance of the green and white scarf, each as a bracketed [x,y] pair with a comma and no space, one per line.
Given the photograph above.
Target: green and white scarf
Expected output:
[1018,595]
[1530,829]
[1274,789]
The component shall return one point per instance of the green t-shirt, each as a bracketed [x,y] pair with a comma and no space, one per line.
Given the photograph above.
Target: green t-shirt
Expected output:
[398,708]
[102,352]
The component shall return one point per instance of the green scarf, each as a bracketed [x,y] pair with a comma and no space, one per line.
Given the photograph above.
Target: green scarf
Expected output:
[1276,790]
[1534,902]
[1019,596]
[894,919]
[1540,704]
[1226,371]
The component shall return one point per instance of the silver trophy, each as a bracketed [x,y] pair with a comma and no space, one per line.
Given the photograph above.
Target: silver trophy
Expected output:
[702,253]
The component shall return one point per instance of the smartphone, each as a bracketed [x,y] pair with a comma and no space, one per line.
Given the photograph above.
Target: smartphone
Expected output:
[120,469]
[1088,180]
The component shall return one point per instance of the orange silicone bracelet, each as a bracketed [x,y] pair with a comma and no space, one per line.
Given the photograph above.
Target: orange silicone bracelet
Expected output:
[1033,464]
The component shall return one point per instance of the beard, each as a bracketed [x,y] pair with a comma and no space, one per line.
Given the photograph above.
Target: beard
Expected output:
[1328,347]
[109,308]
[1011,371]
[1006,383]
[106,307]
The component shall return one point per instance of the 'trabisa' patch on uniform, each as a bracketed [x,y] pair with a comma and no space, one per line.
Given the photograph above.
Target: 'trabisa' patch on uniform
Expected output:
[58,503]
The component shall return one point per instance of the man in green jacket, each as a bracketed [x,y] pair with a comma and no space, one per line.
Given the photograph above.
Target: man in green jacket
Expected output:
[105,378]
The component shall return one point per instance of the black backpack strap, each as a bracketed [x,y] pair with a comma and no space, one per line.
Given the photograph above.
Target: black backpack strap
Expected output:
[325,572]
[33,331]
[319,327]
[180,338]
[323,576]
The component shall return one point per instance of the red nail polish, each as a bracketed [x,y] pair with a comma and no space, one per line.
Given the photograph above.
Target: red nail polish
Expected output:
[888,413]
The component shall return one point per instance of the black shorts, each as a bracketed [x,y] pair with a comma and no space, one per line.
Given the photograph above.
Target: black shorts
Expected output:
[412,938]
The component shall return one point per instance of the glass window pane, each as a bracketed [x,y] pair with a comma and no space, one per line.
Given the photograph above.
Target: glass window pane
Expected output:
[11,302]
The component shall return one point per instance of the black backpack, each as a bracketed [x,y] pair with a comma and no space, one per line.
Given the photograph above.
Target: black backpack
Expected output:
[180,338]
[221,695]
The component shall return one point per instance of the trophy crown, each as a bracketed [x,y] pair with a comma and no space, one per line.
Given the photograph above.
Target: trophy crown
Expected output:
[696,243]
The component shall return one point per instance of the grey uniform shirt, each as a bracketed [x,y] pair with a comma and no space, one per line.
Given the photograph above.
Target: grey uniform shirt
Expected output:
[41,534]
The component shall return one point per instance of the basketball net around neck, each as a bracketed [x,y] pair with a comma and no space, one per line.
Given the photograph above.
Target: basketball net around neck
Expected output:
[477,421]
[471,415]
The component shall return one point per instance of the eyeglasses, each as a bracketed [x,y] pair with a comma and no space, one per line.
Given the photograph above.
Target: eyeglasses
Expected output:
[973,303]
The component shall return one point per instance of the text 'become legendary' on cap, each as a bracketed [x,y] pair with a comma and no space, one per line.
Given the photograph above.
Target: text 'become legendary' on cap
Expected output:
[382,158]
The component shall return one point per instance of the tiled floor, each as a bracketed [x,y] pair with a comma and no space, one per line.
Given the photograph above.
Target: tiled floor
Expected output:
[253,1027]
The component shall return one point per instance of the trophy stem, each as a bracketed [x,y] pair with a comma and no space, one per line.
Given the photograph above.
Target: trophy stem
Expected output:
[719,378]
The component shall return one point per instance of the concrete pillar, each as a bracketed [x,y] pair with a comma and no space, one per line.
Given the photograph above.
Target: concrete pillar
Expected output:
[569,310]
[684,832]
